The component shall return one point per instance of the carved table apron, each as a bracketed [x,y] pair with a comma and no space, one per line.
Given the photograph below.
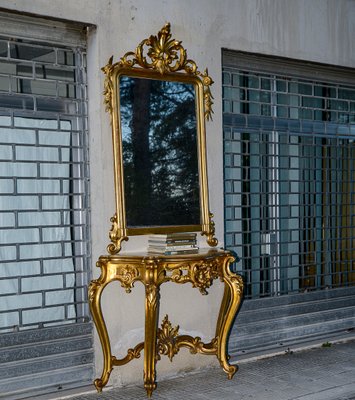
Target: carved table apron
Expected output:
[152,270]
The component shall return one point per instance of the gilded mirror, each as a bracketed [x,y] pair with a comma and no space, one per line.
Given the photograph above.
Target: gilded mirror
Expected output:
[158,101]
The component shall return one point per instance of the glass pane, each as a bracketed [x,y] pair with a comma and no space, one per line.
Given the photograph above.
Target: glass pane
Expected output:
[28,52]
[3,48]
[58,73]
[41,87]
[65,57]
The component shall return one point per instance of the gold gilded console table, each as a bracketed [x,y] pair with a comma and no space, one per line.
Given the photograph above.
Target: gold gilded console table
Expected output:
[152,270]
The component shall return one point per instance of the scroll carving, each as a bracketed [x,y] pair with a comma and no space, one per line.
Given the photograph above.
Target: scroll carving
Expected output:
[115,237]
[211,240]
[131,354]
[201,274]
[127,275]
[169,341]
[163,54]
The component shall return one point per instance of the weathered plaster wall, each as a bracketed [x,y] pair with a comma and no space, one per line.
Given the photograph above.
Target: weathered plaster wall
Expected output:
[315,30]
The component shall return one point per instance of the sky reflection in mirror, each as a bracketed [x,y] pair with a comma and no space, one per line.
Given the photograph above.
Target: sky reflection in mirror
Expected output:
[160,157]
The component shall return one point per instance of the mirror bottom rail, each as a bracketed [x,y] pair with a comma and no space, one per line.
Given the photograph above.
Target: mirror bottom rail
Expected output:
[165,340]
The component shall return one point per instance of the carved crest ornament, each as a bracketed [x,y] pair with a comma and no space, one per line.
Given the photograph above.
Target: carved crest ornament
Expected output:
[164,55]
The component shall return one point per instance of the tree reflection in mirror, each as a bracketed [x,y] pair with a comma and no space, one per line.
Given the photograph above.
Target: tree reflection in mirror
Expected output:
[160,156]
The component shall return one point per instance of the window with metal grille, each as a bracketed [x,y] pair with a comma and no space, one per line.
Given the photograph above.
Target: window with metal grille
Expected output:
[44,197]
[289,162]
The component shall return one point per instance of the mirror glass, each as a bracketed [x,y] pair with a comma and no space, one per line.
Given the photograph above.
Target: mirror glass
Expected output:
[159,152]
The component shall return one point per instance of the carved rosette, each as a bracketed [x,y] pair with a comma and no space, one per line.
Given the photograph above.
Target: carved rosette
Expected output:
[127,275]
[163,54]
[203,274]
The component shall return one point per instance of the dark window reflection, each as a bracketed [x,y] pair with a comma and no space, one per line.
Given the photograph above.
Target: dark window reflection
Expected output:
[160,158]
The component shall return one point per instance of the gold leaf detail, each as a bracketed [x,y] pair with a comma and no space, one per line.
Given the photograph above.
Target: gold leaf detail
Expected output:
[115,237]
[237,281]
[127,275]
[108,87]
[167,336]
[211,240]
[207,95]
[165,55]
[203,275]
[151,293]
[92,289]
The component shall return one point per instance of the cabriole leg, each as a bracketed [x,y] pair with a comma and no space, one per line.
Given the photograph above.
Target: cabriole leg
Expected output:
[150,341]
[95,290]
[230,304]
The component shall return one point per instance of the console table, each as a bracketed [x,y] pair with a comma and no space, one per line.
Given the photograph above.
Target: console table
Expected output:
[200,270]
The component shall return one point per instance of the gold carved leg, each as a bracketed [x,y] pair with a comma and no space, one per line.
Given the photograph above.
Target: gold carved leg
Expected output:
[223,309]
[150,341]
[95,290]
[230,304]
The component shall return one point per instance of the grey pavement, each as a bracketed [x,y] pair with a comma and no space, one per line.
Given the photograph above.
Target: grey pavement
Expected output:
[322,373]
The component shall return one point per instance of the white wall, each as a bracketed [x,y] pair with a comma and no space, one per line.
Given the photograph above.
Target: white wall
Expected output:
[316,30]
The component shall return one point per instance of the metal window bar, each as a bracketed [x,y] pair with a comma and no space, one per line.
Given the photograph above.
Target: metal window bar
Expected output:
[44,185]
[289,181]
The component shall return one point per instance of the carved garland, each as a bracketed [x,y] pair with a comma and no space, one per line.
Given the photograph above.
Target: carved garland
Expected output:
[164,55]
[201,274]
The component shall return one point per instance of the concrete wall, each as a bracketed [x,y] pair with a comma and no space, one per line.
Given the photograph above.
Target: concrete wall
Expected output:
[315,30]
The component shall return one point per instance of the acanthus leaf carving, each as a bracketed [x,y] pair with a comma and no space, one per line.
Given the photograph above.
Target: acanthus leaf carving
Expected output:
[108,86]
[167,336]
[203,275]
[165,55]
[127,275]
[200,273]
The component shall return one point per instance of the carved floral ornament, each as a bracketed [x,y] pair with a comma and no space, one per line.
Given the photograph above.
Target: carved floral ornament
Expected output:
[165,55]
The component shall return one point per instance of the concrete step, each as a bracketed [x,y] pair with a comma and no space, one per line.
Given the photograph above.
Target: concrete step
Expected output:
[45,381]
[51,347]
[297,298]
[41,335]
[45,359]
[43,364]
[279,311]
[267,322]
[305,317]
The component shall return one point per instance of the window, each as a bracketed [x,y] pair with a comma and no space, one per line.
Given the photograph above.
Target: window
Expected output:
[289,145]
[44,201]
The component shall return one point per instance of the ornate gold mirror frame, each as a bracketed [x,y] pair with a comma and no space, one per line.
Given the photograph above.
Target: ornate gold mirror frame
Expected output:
[158,58]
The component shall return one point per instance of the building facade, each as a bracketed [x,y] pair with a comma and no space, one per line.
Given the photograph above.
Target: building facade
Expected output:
[280,154]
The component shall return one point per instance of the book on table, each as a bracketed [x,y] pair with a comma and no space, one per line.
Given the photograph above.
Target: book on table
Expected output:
[174,243]
[173,252]
[173,237]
